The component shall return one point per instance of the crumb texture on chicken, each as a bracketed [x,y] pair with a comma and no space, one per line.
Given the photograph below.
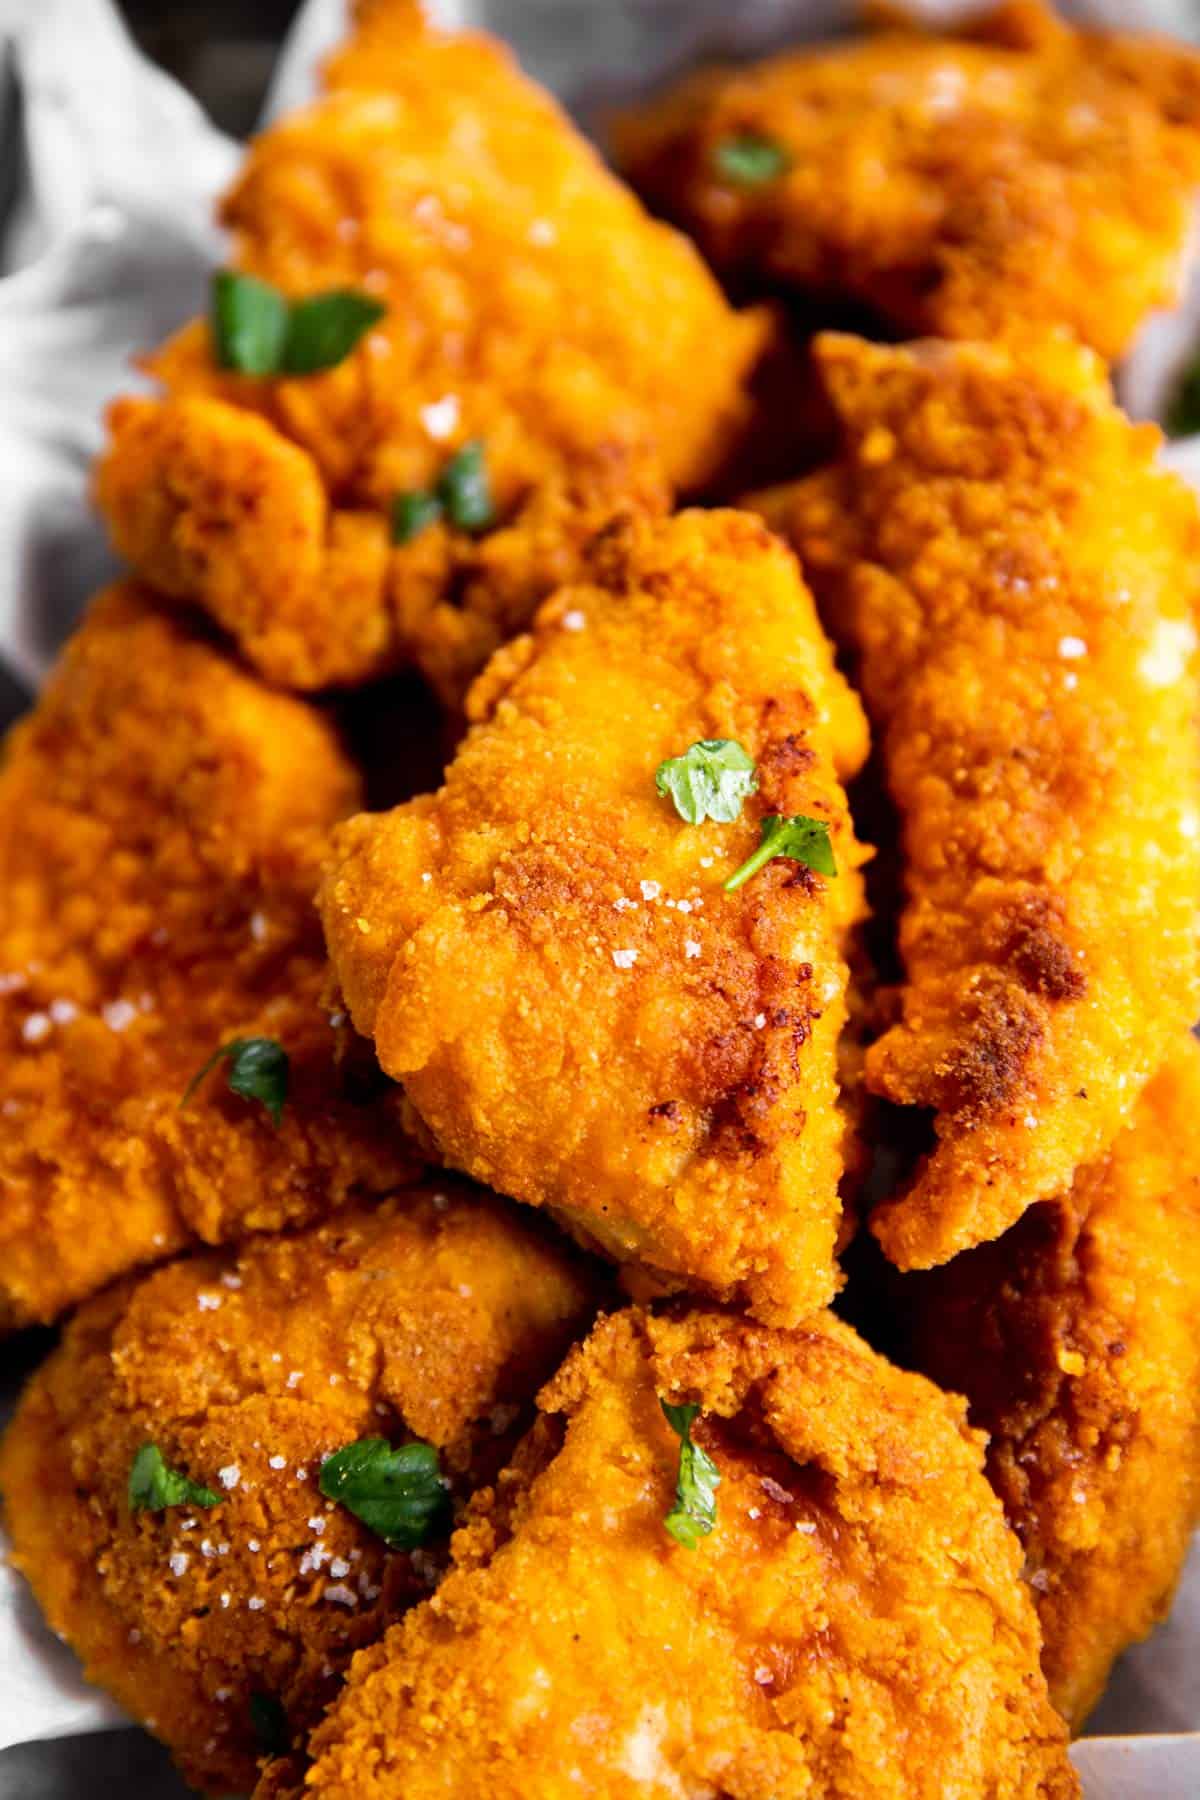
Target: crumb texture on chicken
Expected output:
[435,1315]
[532,307]
[545,956]
[1024,174]
[162,818]
[859,1592]
[1016,582]
[1076,1339]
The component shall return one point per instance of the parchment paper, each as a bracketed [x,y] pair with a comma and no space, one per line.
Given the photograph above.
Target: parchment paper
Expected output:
[107,176]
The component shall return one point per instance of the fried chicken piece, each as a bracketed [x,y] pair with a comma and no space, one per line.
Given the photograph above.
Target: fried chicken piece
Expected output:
[532,307]
[543,952]
[162,816]
[1016,581]
[853,1625]
[1023,174]
[1075,1340]
[435,1315]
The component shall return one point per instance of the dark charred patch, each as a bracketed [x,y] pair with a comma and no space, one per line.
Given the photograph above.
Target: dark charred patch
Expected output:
[1031,943]
[984,1072]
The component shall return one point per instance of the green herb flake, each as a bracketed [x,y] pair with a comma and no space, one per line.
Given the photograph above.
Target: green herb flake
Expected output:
[750,160]
[695,1510]
[258,331]
[709,781]
[249,323]
[1183,412]
[268,1721]
[258,1070]
[324,329]
[154,1484]
[412,512]
[804,840]
[398,1493]
[465,491]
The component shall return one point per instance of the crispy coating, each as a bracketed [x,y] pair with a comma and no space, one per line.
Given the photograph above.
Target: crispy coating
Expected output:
[858,1593]
[532,306]
[435,1315]
[544,955]
[162,815]
[1027,175]
[1075,1339]
[1016,582]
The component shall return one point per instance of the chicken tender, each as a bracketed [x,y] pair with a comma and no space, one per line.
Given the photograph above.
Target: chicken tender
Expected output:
[1075,1339]
[162,816]
[436,1315]
[854,1624]
[1024,175]
[531,308]
[543,951]
[1016,582]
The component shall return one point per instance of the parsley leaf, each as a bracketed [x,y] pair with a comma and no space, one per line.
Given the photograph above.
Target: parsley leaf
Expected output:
[324,329]
[249,323]
[258,331]
[709,781]
[154,1484]
[258,1070]
[268,1721]
[695,1510]
[804,840]
[464,490]
[1183,413]
[750,159]
[398,1493]
[412,512]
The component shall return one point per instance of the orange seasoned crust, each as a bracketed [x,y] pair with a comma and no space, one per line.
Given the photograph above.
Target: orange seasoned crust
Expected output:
[1075,1338]
[531,305]
[859,1591]
[543,951]
[1016,582]
[1023,174]
[435,1316]
[162,815]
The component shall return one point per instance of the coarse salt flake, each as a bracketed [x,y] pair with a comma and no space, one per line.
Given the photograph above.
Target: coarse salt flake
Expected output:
[35,1027]
[178,1561]
[256,1603]
[574,620]
[340,1594]
[650,889]
[229,1476]
[208,1302]
[440,417]
[691,947]
[277,1462]
[624,959]
[118,1014]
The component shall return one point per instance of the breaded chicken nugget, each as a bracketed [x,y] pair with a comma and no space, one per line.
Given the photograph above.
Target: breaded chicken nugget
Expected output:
[543,951]
[1016,581]
[534,314]
[1075,1338]
[1026,175]
[162,815]
[221,1618]
[853,1623]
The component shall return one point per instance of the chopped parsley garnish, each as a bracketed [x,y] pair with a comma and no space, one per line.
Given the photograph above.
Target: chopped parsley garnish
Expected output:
[804,840]
[398,1493]
[1183,413]
[750,159]
[258,1070]
[695,1510]
[258,331]
[154,1484]
[412,512]
[465,492]
[709,781]
[463,496]
[268,1721]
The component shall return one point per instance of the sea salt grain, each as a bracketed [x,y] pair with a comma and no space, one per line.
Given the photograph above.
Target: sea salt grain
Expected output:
[35,1028]
[208,1302]
[440,418]
[1072,648]
[255,1603]
[650,889]
[63,1011]
[178,1561]
[691,947]
[229,1476]
[232,1282]
[624,959]
[277,1462]
[574,620]
[341,1595]
[295,1378]
[118,1014]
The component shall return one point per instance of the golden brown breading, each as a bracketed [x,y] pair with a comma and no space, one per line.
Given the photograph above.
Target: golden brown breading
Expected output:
[436,1316]
[532,306]
[854,1625]
[1027,175]
[1076,1339]
[162,815]
[1016,581]
[545,956]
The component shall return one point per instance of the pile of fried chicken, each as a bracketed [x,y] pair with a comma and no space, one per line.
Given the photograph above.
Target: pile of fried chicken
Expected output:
[661,1267]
